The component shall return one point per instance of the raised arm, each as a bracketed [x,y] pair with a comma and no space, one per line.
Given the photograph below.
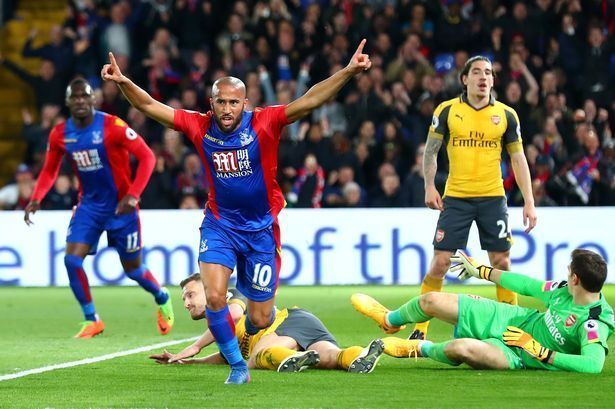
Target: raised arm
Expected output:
[137,97]
[328,88]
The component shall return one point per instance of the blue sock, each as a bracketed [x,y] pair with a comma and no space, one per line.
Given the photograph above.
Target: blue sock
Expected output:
[223,329]
[251,329]
[148,282]
[80,285]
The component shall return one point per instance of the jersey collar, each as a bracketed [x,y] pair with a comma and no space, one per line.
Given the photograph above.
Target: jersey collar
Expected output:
[464,98]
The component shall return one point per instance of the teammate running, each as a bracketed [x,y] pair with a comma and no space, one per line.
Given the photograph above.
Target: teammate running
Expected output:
[98,145]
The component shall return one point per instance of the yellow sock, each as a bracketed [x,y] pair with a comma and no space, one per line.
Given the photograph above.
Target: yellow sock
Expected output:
[506,296]
[272,357]
[346,356]
[429,284]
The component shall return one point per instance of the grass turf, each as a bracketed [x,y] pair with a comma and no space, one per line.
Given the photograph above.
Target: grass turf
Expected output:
[37,326]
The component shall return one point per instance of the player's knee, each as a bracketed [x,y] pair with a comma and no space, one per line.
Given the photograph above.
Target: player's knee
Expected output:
[428,302]
[216,301]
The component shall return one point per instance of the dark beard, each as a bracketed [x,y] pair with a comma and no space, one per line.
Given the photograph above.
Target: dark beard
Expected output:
[233,126]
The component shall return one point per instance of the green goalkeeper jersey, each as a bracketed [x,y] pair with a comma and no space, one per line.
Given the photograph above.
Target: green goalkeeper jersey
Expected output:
[564,327]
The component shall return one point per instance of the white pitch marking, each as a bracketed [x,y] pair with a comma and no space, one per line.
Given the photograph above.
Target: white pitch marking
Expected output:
[93,360]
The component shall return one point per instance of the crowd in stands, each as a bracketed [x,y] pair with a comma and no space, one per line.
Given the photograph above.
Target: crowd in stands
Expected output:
[554,62]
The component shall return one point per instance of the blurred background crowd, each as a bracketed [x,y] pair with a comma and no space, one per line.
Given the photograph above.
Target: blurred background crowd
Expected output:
[554,62]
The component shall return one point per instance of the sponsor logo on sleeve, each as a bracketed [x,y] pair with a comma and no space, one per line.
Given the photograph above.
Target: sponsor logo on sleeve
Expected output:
[435,122]
[130,134]
[591,327]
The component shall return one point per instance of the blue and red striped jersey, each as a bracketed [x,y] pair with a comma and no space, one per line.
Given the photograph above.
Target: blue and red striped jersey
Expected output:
[99,156]
[241,166]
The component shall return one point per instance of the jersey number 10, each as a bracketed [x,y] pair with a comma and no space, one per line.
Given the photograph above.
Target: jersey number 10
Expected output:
[262,275]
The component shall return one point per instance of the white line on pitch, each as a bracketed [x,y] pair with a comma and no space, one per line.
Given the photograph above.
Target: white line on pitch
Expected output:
[93,360]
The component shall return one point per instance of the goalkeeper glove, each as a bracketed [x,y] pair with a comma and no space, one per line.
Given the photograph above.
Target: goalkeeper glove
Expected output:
[467,267]
[516,337]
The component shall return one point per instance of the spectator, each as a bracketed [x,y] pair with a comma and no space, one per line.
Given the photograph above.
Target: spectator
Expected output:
[308,188]
[62,196]
[48,87]
[16,195]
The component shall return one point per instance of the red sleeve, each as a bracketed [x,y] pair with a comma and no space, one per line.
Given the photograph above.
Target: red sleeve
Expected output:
[274,117]
[51,167]
[128,139]
[192,124]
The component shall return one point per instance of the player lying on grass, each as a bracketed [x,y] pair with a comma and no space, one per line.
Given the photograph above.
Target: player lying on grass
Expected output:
[571,335]
[295,341]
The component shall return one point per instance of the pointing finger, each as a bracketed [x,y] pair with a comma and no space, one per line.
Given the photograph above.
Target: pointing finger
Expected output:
[112,59]
[360,47]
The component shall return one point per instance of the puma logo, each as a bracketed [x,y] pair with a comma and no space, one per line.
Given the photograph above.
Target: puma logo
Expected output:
[459,116]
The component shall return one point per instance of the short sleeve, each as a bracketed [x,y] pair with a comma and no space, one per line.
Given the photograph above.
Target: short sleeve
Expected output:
[191,123]
[512,134]
[439,122]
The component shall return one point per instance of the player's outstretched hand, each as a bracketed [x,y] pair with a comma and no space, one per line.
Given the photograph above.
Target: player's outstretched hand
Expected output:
[186,353]
[164,358]
[31,207]
[127,205]
[359,61]
[467,267]
[516,337]
[111,71]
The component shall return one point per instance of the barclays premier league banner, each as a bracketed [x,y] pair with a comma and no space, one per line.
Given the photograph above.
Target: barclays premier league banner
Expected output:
[320,247]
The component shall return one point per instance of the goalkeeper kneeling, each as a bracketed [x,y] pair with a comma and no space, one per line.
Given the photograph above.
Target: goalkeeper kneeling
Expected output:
[571,335]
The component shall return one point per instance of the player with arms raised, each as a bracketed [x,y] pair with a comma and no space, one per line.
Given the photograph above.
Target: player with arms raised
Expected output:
[238,149]
[98,146]
[475,128]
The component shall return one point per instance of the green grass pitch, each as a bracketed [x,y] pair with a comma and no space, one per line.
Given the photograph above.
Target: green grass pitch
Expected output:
[36,326]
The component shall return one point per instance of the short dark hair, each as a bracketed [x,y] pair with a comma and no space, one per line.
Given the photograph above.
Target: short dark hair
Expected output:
[80,81]
[190,278]
[468,65]
[591,269]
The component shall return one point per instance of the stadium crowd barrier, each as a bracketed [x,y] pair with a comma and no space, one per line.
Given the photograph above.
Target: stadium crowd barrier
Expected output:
[319,247]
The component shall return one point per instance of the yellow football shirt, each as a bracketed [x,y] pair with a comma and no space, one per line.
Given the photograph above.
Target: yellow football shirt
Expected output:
[240,329]
[474,140]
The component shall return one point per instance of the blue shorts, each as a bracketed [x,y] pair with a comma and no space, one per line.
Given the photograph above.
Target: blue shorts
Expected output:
[123,231]
[256,255]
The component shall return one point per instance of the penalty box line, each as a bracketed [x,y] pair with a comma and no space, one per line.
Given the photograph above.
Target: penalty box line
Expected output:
[88,361]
